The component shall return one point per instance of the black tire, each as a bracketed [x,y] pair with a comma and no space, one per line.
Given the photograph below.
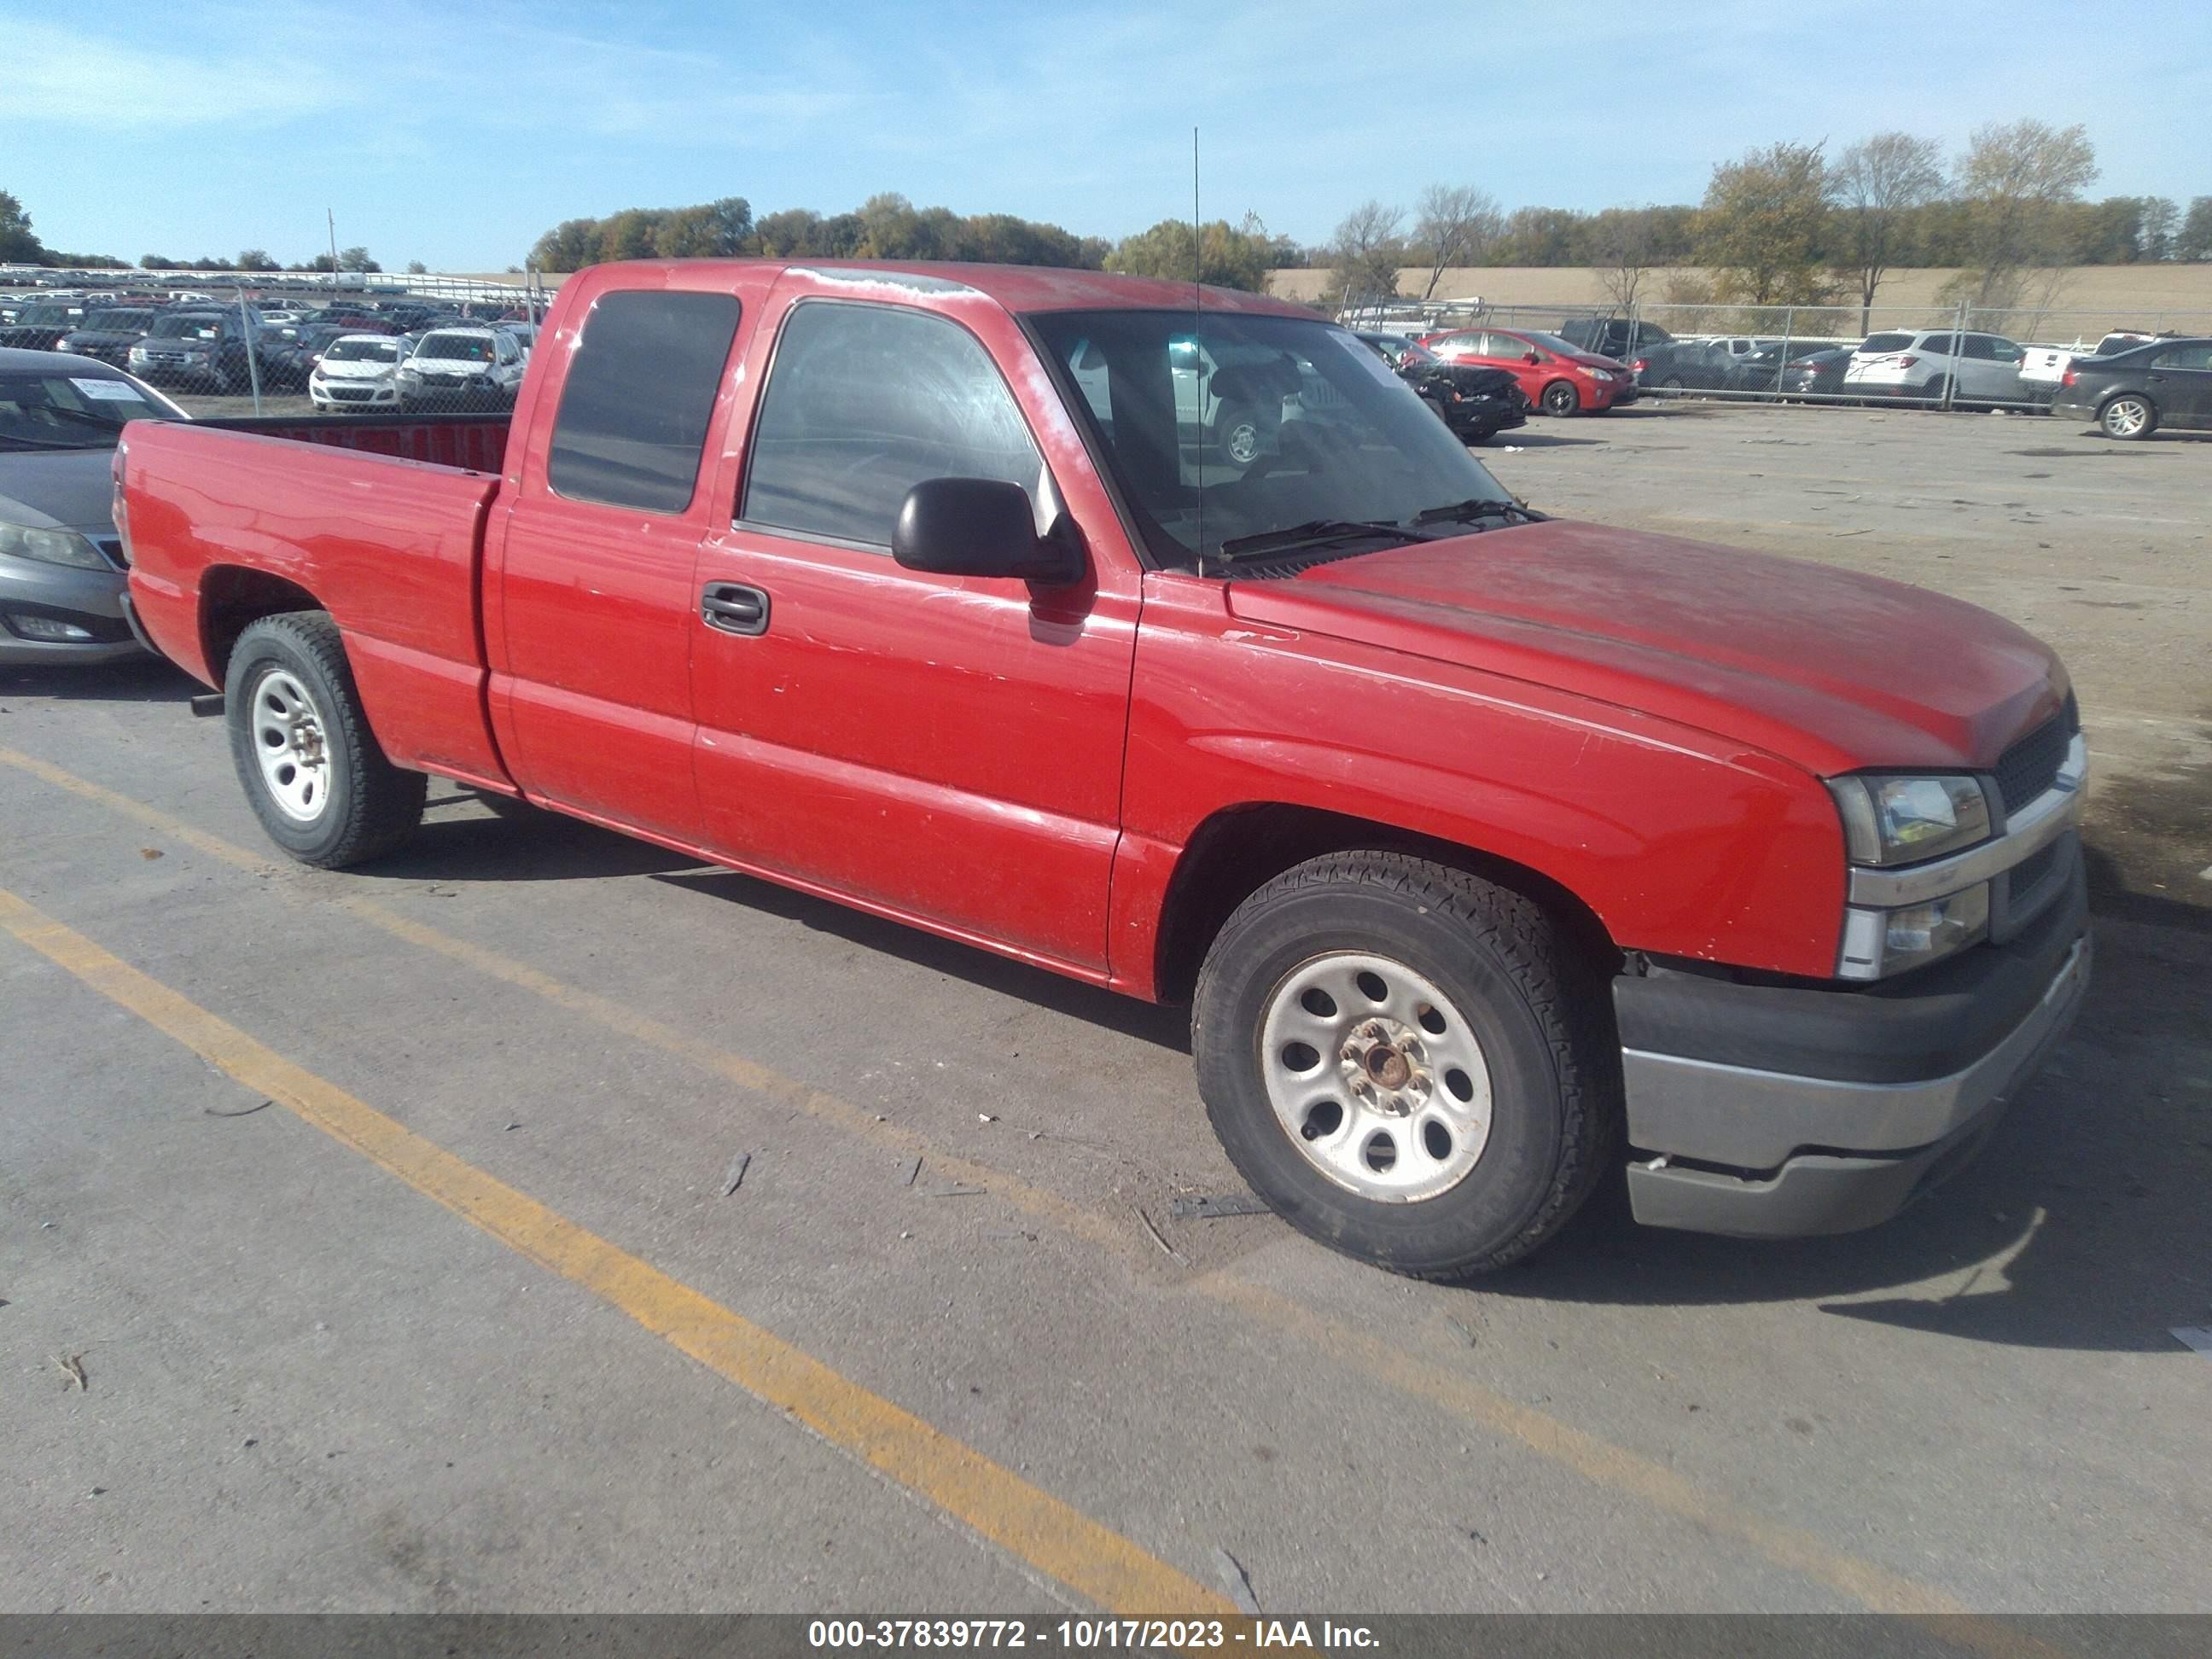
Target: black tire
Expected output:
[1540,1011]
[1560,397]
[369,806]
[2135,419]
[1672,383]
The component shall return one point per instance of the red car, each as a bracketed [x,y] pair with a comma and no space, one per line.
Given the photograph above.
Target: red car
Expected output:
[1556,375]
[1486,847]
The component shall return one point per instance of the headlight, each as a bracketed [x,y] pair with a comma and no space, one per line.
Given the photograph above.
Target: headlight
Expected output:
[1903,820]
[1600,375]
[51,547]
[63,345]
[1879,943]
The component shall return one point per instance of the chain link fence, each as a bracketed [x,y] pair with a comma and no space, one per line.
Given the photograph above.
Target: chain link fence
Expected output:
[293,344]
[1944,356]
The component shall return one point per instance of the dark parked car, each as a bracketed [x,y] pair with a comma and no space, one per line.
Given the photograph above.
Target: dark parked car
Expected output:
[1682,366]
[1477,404]
[288,360]
[206,350]
[60,561]
[1625,337]
[1764,367]
[1817,374]
[2131,394]
[108,335]
[39,326]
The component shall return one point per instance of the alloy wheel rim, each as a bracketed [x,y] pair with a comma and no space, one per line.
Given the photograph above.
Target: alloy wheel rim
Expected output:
[1375,1077]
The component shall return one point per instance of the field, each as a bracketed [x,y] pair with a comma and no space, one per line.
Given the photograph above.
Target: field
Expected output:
[581,1153]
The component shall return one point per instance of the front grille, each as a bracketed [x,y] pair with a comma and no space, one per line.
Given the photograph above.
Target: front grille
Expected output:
[349,394]
[2030,766]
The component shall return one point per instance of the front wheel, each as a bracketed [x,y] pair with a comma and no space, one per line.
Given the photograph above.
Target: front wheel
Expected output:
[1408,1063]
[1560,397]
[1239,436]
[313,771]
[2129,418]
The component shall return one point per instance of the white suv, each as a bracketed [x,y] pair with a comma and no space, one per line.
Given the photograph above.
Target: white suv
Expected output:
[451,366]
[1979,368]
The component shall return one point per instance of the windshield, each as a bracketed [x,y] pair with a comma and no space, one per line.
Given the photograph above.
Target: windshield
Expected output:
[71,411]
[456,349]
[200,327]
[362,351]
[117,322]
[1283,422]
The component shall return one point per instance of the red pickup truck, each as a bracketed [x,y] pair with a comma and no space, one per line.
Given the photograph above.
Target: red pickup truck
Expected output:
[1493,852]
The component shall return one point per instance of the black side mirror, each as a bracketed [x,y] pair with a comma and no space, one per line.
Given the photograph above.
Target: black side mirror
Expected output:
[980,527]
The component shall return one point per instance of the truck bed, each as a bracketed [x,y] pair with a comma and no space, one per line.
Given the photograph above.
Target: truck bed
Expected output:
[379,522]
[476,443]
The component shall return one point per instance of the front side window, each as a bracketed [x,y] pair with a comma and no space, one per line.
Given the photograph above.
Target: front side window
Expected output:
[865,401]
[639,393]
[2196,355]
[1292,422]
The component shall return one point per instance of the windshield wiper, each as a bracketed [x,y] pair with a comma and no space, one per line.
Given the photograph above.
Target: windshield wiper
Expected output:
[29,442]
[1477,507]
[1313,532]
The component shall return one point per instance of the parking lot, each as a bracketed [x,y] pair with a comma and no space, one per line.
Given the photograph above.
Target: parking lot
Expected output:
[624,1234]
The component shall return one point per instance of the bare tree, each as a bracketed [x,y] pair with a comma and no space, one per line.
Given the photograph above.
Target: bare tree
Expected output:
[1877,184]
[2161,220]
[1457,225]
[1365,254]
[2016,182]
[1623,241]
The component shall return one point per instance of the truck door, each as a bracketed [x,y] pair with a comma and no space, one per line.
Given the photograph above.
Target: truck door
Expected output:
[589,598]
[944,749]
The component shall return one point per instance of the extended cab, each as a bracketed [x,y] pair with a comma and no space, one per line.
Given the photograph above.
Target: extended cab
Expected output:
[1494,853]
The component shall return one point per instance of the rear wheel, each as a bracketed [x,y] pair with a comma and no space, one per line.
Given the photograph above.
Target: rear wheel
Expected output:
[2129,416]
[1238,435]
[1410,1064]
[1560,397]
[313,771]
[1672,383]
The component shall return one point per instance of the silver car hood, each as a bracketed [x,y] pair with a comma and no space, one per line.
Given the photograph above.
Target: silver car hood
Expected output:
[58,489]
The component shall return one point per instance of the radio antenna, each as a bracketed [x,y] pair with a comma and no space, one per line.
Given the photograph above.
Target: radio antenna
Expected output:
[1197,359]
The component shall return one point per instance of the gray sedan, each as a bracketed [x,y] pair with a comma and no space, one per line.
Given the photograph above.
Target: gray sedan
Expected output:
[61,562]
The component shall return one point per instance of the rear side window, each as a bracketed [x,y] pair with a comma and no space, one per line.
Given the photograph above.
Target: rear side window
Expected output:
[1886,343]
[864,403]
[2198,355]
[639,391]
[1941,345]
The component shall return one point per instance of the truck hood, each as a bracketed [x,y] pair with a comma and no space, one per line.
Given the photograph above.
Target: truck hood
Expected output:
[57,490]
[1825,668]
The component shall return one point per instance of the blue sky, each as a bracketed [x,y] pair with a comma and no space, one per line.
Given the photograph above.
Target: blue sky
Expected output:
[455,133]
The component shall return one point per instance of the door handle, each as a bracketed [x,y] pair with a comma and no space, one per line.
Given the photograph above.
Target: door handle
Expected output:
[2155,379]
[733,608]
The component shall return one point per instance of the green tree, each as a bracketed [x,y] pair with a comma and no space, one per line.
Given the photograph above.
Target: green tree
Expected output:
[256,259]
[1763,226]
[417,268]
[19,245]
[156,262]
[2195,240]
[1225,256]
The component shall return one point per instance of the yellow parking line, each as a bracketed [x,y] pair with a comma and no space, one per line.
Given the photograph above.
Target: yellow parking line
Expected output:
[1094,1561]
[1597,1461]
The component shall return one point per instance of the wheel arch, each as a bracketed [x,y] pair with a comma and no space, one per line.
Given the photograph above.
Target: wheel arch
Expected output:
[231,599]
[1239,849]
